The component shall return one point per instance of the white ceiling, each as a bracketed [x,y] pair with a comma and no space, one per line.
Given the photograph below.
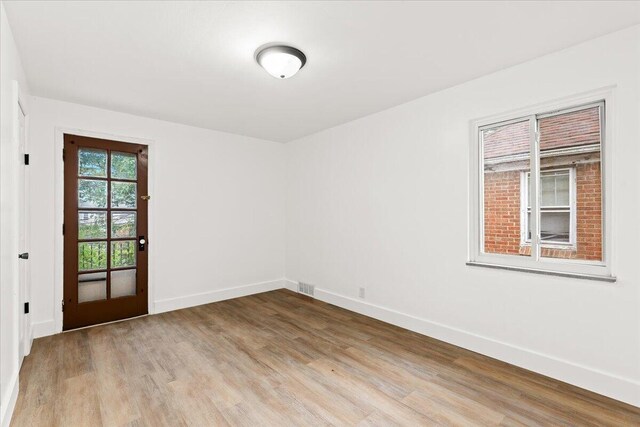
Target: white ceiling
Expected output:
[193,62]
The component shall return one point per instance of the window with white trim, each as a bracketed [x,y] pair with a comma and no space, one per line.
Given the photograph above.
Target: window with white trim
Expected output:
[538,199]
[557,208]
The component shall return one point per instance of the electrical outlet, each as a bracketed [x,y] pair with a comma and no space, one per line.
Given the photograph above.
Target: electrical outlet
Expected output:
[361,293]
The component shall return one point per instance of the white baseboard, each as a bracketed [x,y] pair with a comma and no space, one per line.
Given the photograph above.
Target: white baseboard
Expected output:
[291,285]
[607,384]
[43,329]
[9,404]
[170,304]
[29,343]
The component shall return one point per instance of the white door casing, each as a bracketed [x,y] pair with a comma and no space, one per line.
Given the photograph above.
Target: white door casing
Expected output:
[23,215]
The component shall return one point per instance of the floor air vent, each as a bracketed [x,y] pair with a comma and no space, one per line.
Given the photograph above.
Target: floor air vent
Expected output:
[305,288]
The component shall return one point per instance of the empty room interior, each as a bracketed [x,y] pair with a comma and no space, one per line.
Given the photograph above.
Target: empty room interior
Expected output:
[320,213]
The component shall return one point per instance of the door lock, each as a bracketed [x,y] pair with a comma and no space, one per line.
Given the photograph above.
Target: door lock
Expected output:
[141,243]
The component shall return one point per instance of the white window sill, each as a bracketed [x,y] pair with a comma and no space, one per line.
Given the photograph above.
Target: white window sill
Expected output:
[610,279]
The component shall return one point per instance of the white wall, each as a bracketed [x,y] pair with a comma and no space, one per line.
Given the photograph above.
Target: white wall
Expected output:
[10,70]
[216,213]
[382,203]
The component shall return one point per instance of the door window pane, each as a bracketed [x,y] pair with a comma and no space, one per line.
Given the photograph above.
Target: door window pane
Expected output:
[123,195]
[123,283]
[92,162]
[123,224]
[123,165]
[92,193]
[92,225]
[92,256]
[506,151]
[123,253]
[92,287]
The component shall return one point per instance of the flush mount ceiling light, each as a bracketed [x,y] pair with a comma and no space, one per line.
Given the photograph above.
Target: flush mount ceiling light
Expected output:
[281,62]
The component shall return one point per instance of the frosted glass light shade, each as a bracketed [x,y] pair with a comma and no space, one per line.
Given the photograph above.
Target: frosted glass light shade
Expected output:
[281,62]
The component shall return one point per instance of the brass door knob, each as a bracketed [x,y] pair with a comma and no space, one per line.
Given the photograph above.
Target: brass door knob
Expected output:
[145,197]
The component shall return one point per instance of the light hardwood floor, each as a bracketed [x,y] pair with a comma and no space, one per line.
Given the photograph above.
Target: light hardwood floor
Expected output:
[281,359]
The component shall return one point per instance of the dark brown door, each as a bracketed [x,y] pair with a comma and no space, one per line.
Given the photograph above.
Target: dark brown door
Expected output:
[105,230]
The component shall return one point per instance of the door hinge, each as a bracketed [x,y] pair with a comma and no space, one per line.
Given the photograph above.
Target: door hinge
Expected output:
[63,305]
[26,160]
[26,308]
[63,229]
[63,154]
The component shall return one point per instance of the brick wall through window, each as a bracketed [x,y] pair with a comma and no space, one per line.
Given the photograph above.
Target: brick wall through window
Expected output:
[506,159]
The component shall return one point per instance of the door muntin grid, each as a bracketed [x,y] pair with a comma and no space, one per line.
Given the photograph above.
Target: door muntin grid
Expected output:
[107,224]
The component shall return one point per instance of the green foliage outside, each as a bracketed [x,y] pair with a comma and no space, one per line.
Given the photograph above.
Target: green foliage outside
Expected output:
[123,166]
[92,256]
[93,194]
[123,194]
[92,163]
[123,253]
[123,224]
[92,225]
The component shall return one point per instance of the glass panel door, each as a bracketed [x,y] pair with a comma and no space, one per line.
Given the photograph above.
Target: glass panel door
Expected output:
[106,222]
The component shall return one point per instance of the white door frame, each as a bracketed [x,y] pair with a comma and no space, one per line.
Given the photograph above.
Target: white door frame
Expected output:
[20,106]
[58,238]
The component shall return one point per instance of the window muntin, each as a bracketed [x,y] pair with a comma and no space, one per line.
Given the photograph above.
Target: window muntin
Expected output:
[576,148]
